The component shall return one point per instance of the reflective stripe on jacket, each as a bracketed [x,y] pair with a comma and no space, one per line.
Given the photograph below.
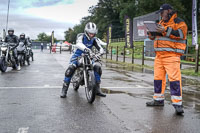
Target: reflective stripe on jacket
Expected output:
[173,41]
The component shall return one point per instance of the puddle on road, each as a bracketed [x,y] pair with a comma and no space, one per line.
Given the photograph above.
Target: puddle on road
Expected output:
[191,87]
[191,82]
[119,67]
[124,79]
[190,100]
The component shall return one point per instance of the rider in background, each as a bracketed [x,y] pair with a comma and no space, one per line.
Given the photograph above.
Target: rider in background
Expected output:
[11,38]
[85,41]
[29,41]
[24,40]
[30,46]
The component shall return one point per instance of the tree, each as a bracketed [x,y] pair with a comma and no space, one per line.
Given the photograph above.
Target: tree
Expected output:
[44,37]
[108,12]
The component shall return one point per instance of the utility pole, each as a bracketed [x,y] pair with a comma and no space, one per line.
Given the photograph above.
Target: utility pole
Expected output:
[7,15]
[195,33]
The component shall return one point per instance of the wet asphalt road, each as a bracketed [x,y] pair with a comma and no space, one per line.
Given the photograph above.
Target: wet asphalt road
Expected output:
[30,102]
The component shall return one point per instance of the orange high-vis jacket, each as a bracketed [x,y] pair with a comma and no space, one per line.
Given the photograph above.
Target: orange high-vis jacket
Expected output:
[173,42]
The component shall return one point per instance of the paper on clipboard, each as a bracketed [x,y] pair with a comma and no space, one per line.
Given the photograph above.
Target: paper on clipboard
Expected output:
[151,26]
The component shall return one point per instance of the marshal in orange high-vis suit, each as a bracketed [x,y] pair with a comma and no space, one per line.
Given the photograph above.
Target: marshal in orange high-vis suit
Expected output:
[168,48]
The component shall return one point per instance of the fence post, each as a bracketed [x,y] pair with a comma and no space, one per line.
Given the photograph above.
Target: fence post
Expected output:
[117,54]
[106,50]
[111,53]
[197,60]
[124,54]
[143,55]
[133,55]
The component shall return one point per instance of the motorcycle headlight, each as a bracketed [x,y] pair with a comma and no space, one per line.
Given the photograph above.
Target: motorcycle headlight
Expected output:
[3,48]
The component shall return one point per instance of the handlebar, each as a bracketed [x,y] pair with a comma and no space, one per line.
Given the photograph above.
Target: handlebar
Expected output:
[91,55]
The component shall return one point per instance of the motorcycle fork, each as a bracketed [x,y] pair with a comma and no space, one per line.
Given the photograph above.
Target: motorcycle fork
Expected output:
[84,72]
[7,53]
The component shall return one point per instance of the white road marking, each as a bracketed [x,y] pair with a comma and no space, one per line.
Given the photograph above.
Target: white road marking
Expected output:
[138,85]
[51,87]
[46,85]
[134,87]
[30,87]
[23,130]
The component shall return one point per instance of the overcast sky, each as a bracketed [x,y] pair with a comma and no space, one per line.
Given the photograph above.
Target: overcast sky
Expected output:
[35,16]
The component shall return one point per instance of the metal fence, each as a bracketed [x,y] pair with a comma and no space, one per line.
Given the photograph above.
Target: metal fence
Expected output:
[124,53]
[128,55]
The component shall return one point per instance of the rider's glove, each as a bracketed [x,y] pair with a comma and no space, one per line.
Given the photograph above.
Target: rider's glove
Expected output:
[87,50]
[12,48]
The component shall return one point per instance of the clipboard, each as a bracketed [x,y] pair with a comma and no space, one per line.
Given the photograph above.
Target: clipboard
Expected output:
[151,26]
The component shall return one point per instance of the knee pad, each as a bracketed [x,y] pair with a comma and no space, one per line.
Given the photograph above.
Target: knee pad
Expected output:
[70,71]
[98,69]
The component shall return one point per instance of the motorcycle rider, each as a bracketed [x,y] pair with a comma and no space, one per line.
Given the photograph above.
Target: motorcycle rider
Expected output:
[30,45]
[11,38]
[29,41]
[24,40]
[85,41]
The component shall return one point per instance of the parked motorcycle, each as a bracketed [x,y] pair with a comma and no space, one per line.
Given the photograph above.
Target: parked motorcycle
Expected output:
[6,57]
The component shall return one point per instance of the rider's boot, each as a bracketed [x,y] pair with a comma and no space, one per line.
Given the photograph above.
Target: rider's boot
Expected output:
[99,92]
[28,61]
[64,90]
[18,67]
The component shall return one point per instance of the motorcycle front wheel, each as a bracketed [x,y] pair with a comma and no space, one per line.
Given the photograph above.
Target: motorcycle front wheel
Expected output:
[90,89]
[20,59]
[3,65]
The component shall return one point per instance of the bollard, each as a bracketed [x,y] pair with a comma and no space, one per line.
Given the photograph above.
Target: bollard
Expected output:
[60,49]
[117,54]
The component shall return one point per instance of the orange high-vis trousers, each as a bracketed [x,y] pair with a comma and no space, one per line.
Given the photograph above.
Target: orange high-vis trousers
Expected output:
[171,66]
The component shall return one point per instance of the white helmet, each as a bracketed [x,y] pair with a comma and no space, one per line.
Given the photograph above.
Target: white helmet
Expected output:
[90,28]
